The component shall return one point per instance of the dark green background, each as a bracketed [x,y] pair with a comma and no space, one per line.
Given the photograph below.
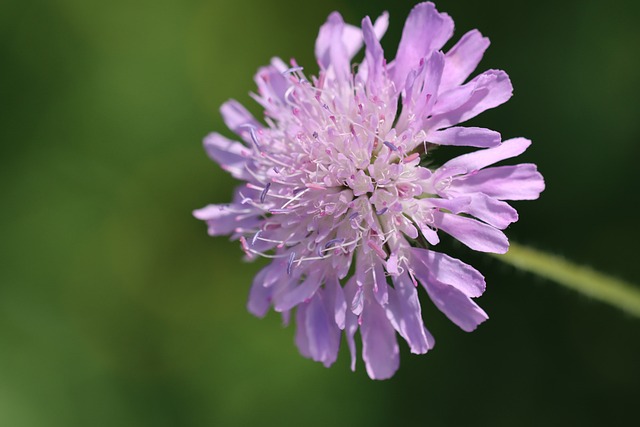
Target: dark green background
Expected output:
[116,309]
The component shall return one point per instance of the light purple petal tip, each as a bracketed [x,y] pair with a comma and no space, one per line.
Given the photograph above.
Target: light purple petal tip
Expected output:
[380,350]
[425,31]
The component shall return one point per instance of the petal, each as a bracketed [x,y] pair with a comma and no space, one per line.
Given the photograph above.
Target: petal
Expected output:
[463,58]
[465,136]
[230,155]
[351,321]
[380,287]
[380,350]
[330,49]
[473,233]
[450,271]
[488,90]
[458,307]
[405,314]
[336,294]
[421,91]
[374,57]
[425,31]
[352,36]
[519,182]
[297,294]
[493,212]
[482,158]
[225,219]
[380,26]
[323,336]
[302,336]
[259,295]
[236,117]
[272,85]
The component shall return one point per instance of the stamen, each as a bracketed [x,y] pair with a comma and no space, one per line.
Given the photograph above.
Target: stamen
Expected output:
[377,249]
[280,211]
[390,145]
[292,256]
[413,279]
[292,70]
[315,186]
[264,192]
[255,238]
[245,246]
[332,243]
[410,158]
[254,138]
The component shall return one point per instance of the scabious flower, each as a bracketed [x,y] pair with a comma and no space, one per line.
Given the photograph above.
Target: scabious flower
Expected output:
[341,195]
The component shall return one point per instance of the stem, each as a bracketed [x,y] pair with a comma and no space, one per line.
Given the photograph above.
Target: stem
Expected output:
[585,280]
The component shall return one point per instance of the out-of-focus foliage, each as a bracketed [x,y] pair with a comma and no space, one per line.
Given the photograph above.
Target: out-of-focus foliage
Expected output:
[116,309]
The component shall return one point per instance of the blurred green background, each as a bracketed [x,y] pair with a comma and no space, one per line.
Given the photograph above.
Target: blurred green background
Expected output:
[116,308]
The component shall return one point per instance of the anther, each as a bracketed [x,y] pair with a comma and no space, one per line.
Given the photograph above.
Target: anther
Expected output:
[410,158]
[264,192]
[292,256]
[390,145]
[377,249]
[254,138]
[332,243]
[382,211]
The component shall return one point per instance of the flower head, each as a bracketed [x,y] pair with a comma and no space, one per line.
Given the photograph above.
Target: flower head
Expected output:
[341,195]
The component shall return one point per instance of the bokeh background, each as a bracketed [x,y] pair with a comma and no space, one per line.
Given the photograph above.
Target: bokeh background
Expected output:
[116,308]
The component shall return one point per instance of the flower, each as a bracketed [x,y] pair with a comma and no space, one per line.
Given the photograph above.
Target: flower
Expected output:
[341,195]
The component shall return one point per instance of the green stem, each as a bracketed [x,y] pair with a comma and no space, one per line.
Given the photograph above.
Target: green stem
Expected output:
[585,280]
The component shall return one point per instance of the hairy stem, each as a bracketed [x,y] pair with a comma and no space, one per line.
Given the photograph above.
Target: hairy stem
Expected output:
[585,280]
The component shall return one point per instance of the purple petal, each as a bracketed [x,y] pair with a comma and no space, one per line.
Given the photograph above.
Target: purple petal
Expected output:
[473,233]
[422,92]
[302,336]
[352,36]
[405,315]
[330,50]
[518,182]
[322,335]
[380,26]
[465,136]
[381,288]
[259,295]
[482,158]
[236,117]
[272,85]
[493,212]
[336,294]
[351,321]
[297,294]
[374,57]
[380,350]
[450,271]
[230,155]
[458,307]
[425,31]
[463,58]
[488,90]
[224,219]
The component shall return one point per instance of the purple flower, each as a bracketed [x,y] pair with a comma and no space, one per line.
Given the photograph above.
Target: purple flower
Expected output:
[341,195]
